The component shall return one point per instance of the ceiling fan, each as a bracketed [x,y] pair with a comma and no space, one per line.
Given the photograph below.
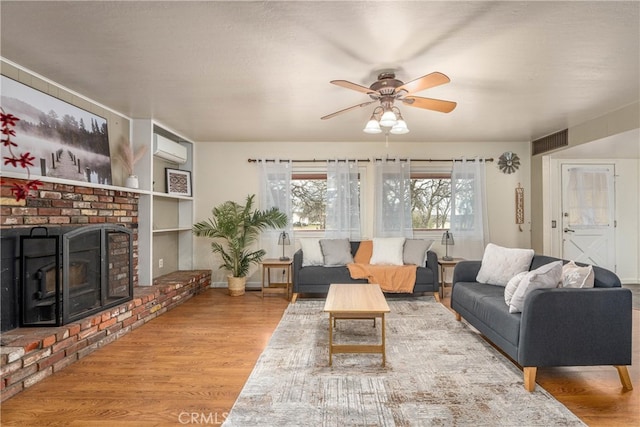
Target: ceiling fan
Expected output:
[387,90]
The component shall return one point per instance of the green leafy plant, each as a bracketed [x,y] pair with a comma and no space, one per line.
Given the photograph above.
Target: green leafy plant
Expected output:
[239,227]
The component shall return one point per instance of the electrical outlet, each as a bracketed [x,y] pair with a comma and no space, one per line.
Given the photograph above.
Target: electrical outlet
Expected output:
[160,263]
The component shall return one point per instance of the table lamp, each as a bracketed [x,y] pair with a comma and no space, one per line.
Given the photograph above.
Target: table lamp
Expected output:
[284,240]
[447,239]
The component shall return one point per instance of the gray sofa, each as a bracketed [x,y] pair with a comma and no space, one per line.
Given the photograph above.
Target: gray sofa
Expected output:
[316,279]
[557,327]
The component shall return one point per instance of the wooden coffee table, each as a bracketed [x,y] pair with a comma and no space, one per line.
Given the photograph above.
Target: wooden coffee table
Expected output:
[355,301]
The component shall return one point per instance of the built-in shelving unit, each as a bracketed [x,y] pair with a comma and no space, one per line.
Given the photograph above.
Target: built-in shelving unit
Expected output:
[165,220]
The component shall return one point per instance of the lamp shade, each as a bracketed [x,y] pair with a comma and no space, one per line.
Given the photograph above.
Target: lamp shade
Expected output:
[388,119]
[283,239]
[400,128]
[447,239]
[372,127]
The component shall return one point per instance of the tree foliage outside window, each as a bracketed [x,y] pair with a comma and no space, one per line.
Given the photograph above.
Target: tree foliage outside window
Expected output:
[309,195]
[430,201]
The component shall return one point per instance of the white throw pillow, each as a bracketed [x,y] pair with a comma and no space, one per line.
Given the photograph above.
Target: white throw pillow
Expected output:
[311,252]
[545,277]
[387,251]
[415,251]
[574,276]
[500,264]
[513,284]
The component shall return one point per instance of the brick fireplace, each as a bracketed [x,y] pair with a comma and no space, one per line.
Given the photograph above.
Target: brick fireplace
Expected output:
[29,355]
[58,207]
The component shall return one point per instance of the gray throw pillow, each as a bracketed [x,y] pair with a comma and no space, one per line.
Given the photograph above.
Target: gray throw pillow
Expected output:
[336,252]
[415,251]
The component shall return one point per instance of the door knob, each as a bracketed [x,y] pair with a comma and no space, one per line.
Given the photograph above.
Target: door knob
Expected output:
[568,230]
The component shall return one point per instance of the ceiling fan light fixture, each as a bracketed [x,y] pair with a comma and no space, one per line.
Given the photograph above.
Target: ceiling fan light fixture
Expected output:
[388,119]
[372,127]
[400,127]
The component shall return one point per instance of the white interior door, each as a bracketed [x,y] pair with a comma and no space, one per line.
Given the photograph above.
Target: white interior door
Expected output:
[588,217]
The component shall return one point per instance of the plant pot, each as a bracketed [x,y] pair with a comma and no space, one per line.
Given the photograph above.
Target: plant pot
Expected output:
[236,285]
[132,181]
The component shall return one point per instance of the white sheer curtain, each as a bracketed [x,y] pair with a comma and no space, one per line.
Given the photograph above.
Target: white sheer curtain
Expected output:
[588,198]
[393,199]
[343,200]
[469,222]
[275,191]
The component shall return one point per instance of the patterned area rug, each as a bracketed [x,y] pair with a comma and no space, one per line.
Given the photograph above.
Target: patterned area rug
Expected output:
[438,372]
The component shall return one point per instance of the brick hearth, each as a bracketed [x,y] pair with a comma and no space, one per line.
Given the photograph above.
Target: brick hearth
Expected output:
[28,355]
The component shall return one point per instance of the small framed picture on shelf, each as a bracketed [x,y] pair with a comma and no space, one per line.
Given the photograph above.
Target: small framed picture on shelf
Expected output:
[178,182]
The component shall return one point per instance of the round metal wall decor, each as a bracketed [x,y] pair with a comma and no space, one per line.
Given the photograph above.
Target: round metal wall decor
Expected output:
[509,162]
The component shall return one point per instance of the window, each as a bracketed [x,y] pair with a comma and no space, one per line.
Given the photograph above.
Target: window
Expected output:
[308,204]
[430,200]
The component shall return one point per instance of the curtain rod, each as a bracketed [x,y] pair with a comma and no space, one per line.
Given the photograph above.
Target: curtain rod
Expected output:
[490,159]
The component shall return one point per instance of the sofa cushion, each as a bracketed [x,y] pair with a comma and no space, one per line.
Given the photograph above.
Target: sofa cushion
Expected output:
[316,275]
[500,264]
[486,303]
[336,252]
[387,251]
[415,251]
[545,277]
[575,276]
[311,252]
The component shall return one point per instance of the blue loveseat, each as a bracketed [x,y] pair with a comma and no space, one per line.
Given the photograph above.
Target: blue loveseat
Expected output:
[557,327]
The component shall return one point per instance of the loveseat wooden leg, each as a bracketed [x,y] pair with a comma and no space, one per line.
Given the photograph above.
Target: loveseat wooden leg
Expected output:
[530,377]
[625,379]
[294,297]
[458,317]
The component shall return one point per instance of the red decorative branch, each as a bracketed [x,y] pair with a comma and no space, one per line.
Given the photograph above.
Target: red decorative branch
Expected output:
[23,160]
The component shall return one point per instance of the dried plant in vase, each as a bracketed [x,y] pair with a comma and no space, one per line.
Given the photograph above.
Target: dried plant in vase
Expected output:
[129,159]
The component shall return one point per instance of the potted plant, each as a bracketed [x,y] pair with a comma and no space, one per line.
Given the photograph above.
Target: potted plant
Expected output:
[129,159]
[238,227]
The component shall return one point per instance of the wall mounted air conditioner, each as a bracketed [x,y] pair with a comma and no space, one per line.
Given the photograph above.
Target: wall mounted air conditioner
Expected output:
[169,150]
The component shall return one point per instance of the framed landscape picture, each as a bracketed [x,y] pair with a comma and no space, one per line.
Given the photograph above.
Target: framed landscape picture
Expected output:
[66,141]
[178,182]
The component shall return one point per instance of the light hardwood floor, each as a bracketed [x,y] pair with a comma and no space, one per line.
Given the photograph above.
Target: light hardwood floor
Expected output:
[188,366]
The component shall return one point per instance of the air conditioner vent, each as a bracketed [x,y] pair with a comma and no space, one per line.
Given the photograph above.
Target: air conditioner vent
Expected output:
[550,142]
[169,150]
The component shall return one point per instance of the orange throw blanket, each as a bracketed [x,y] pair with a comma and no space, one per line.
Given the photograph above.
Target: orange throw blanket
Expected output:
[391,278]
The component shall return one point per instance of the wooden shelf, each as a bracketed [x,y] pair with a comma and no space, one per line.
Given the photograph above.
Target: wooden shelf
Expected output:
[171,230]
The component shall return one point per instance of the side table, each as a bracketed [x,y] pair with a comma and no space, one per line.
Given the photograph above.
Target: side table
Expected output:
[444,264]
[276,287]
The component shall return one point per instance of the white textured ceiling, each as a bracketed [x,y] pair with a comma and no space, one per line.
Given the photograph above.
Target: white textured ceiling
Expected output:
[260,71]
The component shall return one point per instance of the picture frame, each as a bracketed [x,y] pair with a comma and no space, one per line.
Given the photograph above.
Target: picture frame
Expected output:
[66,141]
[178,182]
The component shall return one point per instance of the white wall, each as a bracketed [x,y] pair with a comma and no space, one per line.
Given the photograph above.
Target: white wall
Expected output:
[224,174]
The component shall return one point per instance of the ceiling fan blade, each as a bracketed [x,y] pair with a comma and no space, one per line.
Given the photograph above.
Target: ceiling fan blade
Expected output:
[430,104]
[328,116]
[424,82]
[353,86]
